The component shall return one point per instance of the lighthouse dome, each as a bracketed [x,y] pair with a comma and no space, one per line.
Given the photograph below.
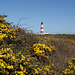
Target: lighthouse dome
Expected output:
[41,22]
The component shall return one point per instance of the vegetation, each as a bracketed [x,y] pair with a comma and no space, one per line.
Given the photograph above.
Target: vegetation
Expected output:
[23,53]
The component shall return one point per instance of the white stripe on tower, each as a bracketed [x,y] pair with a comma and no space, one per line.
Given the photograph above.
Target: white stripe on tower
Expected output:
[42,28]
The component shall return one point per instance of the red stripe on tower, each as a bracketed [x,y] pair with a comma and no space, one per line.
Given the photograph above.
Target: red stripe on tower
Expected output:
[41,31]
[42,28]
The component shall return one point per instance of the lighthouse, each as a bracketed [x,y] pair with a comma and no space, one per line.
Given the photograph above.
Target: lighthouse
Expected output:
[42,28]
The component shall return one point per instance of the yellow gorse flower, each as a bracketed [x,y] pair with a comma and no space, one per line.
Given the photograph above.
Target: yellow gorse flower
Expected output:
[47,68]
[10,67]
[19,72]
[21,67]
[2,65]
[40,49]
[36,72]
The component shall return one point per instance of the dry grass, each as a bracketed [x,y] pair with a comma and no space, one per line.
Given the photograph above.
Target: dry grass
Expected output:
[64,50]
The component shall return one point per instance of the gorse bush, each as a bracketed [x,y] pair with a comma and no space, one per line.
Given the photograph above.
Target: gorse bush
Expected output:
[17,38]
[71,68]
[41,50]
[17,63]
[7,35]
[23,53]
[11,63]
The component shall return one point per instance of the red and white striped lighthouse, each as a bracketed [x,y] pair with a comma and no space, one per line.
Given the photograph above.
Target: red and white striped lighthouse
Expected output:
[42,28]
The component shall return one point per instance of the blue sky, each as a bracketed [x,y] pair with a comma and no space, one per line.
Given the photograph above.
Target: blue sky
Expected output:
[58,16]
